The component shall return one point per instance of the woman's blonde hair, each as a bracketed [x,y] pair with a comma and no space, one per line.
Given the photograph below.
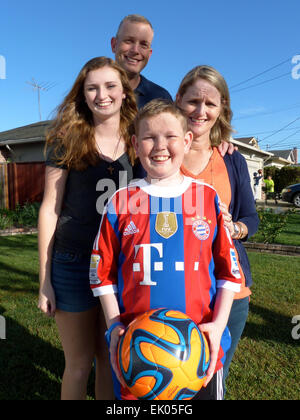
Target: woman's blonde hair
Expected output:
[72,131]
[222,129]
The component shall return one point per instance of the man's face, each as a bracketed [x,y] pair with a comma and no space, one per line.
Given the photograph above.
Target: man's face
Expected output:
[132,47]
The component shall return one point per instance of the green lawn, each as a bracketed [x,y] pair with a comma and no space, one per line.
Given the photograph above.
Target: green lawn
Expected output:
[266,365]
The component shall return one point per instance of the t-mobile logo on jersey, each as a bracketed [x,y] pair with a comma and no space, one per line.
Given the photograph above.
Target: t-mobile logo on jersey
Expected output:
[157,265]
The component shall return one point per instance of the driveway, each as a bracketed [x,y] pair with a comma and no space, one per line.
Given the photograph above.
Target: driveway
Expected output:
[280,207]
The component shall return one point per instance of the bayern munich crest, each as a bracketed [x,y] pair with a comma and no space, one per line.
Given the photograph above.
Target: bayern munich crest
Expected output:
[201,229]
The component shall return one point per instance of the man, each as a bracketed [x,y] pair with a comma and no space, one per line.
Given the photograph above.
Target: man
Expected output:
[132,49]
[269,189]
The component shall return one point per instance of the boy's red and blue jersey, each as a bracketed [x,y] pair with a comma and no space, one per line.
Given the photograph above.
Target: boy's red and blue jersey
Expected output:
[165,247]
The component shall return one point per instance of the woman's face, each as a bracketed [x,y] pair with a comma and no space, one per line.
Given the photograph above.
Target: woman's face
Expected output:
[103,92]
[201,104]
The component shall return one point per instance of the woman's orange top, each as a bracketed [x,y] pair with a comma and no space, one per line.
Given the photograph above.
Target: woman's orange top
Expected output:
[216,175]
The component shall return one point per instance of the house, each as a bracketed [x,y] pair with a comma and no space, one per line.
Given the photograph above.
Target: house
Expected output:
[22,169]
[282,158]
[24,144]
[249,141]
[255,157]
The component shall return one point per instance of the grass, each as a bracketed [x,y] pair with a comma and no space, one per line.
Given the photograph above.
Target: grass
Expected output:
[265,366]
[31,360]
[291,233]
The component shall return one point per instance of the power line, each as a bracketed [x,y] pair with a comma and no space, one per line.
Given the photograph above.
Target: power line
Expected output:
[286,138]
[291,135]
[264,132]
[297,105]
[283,141]
[283,146]
[259,74]
[286,141]
[287,147]
[278,131]
[262,83]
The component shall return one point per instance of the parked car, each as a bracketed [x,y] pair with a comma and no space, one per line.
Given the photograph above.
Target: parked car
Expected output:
[291,194]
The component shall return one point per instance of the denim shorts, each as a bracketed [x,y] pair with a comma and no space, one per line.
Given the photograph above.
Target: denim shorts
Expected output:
[70,281]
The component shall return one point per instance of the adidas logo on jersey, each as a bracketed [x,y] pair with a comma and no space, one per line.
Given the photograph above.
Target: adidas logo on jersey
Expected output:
[131,229]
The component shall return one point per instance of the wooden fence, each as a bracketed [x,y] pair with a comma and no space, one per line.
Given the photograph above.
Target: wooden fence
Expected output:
[3,187]
[21,183]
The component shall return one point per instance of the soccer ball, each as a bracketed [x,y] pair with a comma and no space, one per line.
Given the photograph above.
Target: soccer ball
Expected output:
[163,356]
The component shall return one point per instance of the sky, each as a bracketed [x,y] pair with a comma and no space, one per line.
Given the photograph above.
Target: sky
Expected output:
[254,44]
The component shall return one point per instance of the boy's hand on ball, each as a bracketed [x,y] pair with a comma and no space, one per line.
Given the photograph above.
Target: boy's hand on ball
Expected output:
[214,334]
[117,332]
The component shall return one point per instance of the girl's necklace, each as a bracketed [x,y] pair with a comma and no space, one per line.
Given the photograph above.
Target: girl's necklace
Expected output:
[110,168]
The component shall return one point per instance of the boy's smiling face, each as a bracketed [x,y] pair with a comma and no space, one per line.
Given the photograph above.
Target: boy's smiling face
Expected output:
[161,144]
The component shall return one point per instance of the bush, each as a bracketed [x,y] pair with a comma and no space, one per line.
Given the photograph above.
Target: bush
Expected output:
[27,215]
[22,216]
[6,219]
[272,224]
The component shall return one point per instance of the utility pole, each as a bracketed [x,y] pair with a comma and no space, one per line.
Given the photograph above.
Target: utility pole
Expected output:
[38,87]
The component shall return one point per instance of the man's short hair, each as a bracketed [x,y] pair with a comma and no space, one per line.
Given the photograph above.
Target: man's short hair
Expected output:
[157,107]
[136,19]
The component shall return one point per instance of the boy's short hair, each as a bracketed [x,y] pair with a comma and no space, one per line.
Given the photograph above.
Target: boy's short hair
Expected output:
[134,19]
[157,107]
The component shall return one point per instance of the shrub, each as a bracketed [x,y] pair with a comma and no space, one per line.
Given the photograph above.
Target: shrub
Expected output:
[22,216]
[272,224]
[27,215]
[6,220]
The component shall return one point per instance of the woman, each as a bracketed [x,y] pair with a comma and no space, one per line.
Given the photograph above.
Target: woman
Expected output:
[89,156]
[204,97]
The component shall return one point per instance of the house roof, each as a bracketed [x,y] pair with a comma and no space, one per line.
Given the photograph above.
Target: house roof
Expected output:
[246,144]
[285,154]
[246,140]
[27,134]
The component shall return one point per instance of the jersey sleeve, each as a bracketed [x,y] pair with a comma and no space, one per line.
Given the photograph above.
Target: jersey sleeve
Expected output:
[104,259]
[227,271]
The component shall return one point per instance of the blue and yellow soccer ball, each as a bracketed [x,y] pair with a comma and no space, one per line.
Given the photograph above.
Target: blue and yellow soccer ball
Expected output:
[163,356]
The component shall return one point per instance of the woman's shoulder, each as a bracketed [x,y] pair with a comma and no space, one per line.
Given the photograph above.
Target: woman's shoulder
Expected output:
[235,159]
[54,152]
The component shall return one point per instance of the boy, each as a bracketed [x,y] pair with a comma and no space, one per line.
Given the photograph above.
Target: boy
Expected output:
[257,176]
[162,243]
